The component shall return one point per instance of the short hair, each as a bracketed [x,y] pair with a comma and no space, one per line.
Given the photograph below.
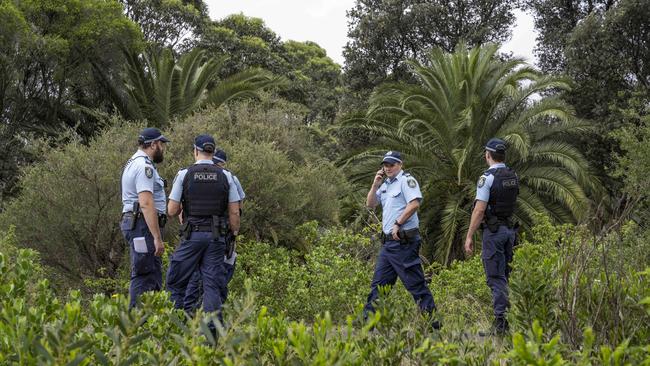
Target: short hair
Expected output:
[497,156]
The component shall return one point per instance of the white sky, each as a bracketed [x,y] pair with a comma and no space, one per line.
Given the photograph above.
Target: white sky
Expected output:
[324,22]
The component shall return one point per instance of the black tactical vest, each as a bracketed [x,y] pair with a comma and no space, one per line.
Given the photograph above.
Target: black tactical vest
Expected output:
[503,193]
[205,194]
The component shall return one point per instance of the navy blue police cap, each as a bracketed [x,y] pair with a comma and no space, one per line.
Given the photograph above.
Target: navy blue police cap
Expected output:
[496,145]
[151,134]
[220,157]
[392,157]
[204,143]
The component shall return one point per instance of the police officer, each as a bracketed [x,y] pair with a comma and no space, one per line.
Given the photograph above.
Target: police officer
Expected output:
[400,197]
[496,196]
[193,292]
[208,199]
[143,212]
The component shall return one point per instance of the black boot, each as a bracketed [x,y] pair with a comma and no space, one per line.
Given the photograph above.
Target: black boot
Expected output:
[499,328]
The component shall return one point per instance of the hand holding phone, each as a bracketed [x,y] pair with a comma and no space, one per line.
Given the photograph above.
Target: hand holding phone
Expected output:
[379,177]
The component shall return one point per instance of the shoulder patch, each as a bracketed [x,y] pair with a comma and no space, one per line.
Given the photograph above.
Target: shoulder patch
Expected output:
[148,171]
[411,183]
[481,182]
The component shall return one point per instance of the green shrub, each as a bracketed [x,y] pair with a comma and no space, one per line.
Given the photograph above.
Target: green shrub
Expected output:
[69,203]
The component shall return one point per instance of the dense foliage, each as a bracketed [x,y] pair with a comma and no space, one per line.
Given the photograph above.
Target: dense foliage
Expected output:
[441,125]
[307,311]
[80,78]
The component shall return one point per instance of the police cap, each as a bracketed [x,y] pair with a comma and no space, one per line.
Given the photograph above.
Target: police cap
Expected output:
[496,145]
[151,134]
[204,143]
[392,157]
[220,157]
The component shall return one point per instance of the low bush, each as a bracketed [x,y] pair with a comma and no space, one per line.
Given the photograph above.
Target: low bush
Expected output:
[69,203]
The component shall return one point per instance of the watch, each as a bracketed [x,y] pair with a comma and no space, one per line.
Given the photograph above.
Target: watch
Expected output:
[397,223]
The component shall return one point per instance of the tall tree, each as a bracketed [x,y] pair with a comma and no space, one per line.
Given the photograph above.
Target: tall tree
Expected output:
[50,52]
[442,122]
[314,80]
[554,22]
[607,55]
[385,33]
[168,23]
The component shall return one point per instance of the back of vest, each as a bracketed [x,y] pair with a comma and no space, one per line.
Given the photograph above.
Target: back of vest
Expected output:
[205,194]
[503,193]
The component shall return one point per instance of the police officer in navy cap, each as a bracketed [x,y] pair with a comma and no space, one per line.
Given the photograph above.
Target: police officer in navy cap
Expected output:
[192,295]
[143,212]
[208,199]
[496,196]
[400,196]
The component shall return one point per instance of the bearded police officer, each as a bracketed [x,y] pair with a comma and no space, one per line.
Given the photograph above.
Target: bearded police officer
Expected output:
[210,203]
[400,198]
[193,293]
[496,196]
[143,213]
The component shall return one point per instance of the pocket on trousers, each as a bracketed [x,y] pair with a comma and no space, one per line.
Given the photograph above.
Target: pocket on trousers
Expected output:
[412,262]
[143,257]
[492,266]
[126,223]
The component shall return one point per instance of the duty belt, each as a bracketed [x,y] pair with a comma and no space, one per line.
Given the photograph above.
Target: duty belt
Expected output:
[404,235]
[200,227]
[162,218]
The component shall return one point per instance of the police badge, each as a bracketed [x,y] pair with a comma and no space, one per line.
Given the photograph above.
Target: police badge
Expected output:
[411,183]
[148,172]
[481,182]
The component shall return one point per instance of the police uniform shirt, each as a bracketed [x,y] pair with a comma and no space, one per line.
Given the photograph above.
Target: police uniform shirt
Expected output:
[140,175]
[240,190]
[485,183]
[177,187]
[394,194]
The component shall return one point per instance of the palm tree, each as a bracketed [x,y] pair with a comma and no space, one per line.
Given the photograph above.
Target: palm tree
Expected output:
[159,88]
[442,123]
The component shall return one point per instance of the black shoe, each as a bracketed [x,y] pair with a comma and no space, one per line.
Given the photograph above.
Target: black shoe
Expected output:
[499,328]
[436,325]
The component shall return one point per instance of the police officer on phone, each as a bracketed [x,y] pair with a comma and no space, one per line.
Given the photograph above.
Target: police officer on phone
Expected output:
[193,292]
[143,213]
[496,196]
[399,195]
[208,199]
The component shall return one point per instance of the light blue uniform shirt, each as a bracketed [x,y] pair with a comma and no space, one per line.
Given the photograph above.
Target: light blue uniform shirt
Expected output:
[177,188]
[485,183]
[140,175]
[240,190]
[394,194]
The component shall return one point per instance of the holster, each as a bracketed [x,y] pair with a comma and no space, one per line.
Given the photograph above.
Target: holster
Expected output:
[230,244]
[184,231]
[136,214]
[492,223]
[219,227]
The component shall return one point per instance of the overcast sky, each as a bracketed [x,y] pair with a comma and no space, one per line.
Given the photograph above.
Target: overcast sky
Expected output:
[324,22]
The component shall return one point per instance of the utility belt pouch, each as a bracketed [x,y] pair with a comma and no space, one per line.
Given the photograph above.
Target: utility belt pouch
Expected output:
[162,220]
[184,231]
[405,236]
[492,224]
[136,214]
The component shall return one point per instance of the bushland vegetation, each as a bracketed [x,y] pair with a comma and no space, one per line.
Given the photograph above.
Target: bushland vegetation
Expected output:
[79,79]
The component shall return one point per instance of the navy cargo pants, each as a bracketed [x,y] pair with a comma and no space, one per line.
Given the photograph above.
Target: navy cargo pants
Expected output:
[496,256]
[203,253]
[194,288]
[403,261]
[146,268]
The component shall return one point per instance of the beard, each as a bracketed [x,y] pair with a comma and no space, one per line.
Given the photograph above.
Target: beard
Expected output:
[158,155]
